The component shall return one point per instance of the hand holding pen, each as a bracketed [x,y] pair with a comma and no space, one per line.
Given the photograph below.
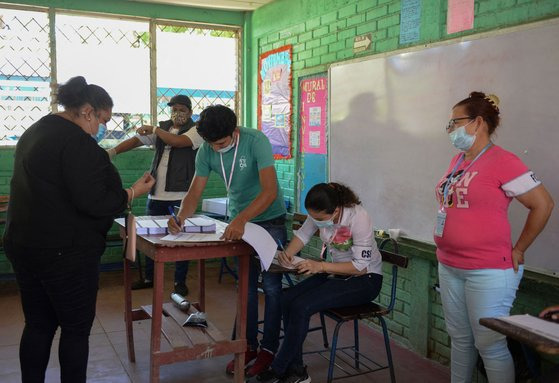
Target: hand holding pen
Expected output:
[284,258]
[174,224]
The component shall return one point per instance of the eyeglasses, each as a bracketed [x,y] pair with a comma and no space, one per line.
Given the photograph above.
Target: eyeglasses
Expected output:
[452,123]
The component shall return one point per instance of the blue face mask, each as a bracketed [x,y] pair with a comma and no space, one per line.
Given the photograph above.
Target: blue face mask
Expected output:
[100,133]
[462,140]
[323,224]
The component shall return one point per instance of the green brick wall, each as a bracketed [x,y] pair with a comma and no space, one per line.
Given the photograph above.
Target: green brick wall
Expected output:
[322,33]
[131,166]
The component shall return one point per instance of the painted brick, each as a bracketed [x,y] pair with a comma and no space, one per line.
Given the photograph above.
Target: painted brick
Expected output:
[329,18]
[278,44]
[350,32]
[354,20]
[298,48]
[313,61]
[320,50]
[393,31]
[347,11]
[312,23]
[305,36]
[334,47]
[344,54]
[273,38]
[394,7]
[328,58]
[377,12]
[367,27]
[334,27]
[387,45]
[385,22]
[320,32]
[364,5]
[291,40]
[330,38]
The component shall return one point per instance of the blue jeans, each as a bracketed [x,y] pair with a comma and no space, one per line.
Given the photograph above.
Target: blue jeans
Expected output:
[271,284]
[315,294]
[157,207]
[58,288]
[467,296]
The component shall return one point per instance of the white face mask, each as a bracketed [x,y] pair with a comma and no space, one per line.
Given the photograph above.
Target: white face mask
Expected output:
[228,147]
[462,140]
[323,224]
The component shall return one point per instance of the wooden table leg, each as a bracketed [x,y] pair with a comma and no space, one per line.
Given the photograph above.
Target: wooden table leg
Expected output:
[202,284]
[157,310]
[128,311]
[242,304]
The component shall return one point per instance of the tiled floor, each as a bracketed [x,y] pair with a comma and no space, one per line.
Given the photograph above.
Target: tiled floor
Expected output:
[108,361]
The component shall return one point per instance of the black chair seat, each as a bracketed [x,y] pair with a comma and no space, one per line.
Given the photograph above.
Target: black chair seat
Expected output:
[364,311]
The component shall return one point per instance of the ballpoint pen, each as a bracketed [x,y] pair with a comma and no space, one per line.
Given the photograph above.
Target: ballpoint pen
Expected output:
[172,211]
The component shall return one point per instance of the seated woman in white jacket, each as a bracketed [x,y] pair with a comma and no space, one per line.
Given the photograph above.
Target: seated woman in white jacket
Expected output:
[353,276]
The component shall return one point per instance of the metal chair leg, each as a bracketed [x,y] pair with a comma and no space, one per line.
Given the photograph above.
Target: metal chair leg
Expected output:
[388,352]
[356,343]
[324,334]
[333,351]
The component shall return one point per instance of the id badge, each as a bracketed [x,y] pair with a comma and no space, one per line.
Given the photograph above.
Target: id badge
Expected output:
[441,219]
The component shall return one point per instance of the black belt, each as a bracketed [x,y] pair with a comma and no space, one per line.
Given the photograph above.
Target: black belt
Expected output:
[345,277]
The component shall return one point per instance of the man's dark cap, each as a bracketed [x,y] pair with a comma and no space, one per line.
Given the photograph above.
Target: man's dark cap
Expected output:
[180,99]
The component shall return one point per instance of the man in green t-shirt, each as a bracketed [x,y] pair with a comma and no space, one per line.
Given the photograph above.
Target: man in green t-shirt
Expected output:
[243,158]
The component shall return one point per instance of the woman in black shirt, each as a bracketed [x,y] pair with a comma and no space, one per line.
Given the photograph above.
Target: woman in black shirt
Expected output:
[64,196]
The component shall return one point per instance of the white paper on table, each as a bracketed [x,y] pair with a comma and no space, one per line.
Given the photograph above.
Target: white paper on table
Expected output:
[293,265]
[534,324]
[262,242]
[192,237]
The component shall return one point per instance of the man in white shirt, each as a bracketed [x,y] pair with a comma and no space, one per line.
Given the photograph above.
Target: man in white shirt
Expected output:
[176,142]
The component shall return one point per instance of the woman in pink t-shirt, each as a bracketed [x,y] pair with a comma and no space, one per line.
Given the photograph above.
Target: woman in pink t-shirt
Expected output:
[479,268]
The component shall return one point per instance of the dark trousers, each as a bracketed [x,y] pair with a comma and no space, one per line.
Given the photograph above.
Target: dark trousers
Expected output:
[157,207]
[58,288]
[315,294]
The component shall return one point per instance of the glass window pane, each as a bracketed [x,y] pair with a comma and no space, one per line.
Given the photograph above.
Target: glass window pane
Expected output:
[113,54]
[201,63]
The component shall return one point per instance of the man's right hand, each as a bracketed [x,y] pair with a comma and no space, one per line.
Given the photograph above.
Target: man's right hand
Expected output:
[173,226]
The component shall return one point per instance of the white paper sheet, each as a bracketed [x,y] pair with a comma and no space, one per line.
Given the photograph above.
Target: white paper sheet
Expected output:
[192,237]
[537,325]
[262,242]
[293,265]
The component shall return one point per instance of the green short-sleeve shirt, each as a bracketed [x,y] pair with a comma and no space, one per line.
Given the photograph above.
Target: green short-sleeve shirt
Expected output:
[254,154]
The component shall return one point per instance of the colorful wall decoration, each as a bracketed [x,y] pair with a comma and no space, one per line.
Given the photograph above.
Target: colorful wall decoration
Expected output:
[314,98]
[274,99]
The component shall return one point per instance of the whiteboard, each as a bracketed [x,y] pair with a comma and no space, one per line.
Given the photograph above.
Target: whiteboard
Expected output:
[388,115]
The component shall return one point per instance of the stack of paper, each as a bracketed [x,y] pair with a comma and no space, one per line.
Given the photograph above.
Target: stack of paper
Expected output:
[199,225]
[158,224]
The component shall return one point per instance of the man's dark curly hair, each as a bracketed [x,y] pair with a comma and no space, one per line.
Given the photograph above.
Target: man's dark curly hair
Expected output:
[216,122]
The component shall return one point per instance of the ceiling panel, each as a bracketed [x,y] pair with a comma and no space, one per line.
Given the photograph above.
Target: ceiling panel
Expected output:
[237,5]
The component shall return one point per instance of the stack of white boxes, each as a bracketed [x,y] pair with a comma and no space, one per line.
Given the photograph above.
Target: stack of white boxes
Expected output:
[218,206]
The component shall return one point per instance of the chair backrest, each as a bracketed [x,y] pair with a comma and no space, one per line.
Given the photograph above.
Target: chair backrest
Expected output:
[396,260]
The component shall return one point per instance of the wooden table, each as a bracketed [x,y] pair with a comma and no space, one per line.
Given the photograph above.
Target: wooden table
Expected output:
[188,343]
[527,337]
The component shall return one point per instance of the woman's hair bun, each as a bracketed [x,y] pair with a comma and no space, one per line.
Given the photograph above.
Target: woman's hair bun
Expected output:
[73,93]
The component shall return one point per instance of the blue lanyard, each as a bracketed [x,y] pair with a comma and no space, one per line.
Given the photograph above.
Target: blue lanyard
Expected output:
[449,180]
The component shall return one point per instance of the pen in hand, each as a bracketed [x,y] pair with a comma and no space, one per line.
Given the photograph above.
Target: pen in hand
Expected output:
[172,211]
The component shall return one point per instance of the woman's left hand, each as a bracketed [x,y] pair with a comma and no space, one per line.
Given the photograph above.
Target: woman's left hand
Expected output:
[309,267]
[517,258]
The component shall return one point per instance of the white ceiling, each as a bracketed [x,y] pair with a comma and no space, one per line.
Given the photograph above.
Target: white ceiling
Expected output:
[236,5]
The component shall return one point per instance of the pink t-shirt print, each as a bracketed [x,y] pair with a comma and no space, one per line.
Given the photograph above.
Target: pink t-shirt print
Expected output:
[477,231]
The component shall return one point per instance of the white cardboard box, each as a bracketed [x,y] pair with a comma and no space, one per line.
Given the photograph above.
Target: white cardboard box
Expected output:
[216,205]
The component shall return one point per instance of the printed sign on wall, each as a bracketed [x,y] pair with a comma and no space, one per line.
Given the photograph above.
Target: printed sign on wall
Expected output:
[314,100]
[274,99]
